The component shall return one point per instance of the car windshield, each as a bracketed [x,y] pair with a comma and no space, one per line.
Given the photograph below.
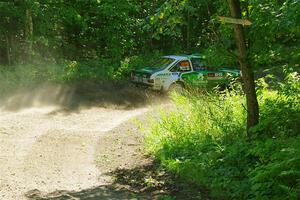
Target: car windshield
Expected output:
[162,63]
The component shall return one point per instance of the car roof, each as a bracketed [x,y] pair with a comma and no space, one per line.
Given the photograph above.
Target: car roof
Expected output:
[180,57]
[175,57]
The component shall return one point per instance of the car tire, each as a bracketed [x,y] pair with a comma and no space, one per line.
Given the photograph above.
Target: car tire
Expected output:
[176,87]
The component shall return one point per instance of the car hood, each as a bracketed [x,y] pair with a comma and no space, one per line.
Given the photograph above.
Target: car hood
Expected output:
[147,70]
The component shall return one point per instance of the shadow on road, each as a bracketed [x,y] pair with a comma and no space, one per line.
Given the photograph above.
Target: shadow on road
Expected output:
[97,193]
[143,182]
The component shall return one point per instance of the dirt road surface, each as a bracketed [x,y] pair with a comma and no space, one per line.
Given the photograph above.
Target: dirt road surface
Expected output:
[43,150]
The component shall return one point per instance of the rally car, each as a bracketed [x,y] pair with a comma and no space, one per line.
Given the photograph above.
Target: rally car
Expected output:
[178,71]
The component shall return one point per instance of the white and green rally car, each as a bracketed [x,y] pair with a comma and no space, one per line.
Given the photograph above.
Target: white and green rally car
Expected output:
[170,72]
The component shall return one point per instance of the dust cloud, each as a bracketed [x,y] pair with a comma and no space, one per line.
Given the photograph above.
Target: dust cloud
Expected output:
[76,96]
[42,96]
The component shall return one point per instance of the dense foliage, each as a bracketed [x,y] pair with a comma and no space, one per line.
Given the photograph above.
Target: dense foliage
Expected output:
[55,30]
[204,141]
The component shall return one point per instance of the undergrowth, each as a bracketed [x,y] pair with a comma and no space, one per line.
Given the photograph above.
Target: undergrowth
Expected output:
[28,76]
[96,70]
[204,141]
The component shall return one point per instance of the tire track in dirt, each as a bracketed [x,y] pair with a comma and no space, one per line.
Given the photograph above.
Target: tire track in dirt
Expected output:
[47,150]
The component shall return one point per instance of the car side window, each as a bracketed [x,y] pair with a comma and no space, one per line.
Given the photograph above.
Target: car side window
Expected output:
[182,66]
[197,64]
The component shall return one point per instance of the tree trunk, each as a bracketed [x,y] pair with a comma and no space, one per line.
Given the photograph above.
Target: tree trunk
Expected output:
[247,72]
[28,34]
[12,49]
[188,38]
[8,50]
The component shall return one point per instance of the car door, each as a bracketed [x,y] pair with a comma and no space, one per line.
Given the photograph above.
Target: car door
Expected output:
[181,67]
[215,77]
[198,76]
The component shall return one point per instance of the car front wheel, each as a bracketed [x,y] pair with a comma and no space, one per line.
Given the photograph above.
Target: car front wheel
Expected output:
[176,87]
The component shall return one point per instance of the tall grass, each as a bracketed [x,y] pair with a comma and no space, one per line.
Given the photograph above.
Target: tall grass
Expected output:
[204,141]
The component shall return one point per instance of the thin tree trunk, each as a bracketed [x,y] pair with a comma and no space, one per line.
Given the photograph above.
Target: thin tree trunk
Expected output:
[247,72]
[8,48]
[188,32]
[28,34]
[12,49]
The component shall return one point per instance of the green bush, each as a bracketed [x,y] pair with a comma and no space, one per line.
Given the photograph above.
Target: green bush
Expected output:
[134,62]
[276,144]
[30,75]
[204,141]
[26,76]
[106,69]
[89,70]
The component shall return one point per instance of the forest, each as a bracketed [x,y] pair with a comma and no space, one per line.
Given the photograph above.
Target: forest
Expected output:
[243,144]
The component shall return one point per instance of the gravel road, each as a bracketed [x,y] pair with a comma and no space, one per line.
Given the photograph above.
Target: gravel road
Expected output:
[47,150]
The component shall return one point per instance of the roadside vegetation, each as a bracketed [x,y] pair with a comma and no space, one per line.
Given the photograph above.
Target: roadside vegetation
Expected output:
[204,141]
